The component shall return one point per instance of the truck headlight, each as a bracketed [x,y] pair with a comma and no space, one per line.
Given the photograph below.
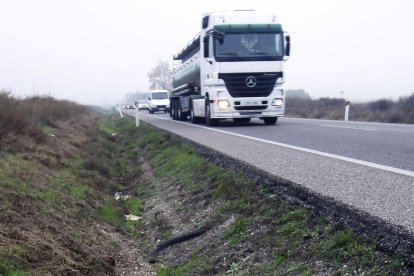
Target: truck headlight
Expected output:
[277,102]
[223,103]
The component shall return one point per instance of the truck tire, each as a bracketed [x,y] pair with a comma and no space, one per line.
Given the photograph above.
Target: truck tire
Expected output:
[270,120]
[209,121]
[180,115]
[174,109]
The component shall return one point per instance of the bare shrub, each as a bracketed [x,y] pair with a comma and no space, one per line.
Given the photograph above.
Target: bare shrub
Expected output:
[323,108]
[28,116]
[381,104]
[382,110]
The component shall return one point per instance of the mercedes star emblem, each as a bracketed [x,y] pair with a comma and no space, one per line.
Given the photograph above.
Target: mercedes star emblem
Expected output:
[251,81]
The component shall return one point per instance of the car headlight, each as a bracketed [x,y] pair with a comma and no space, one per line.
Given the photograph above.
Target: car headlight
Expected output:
[277,102]
[223,103]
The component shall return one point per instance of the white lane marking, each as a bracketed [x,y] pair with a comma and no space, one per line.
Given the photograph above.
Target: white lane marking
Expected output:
[358,128]
[333,156]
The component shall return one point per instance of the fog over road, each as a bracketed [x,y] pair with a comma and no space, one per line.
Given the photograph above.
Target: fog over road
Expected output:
[316,154]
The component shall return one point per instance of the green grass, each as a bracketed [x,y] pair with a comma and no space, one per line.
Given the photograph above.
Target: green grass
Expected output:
[10,261]
[345,245]
[237,231]
[50,130]
[106,127]
[238,206]
[234,267]
[297,236]
[111,214]
[296,268]
[49,196]
[62,187]
[196,266]
[297,215]
[269,268]
[12,166]
[179,163]
[134,206]
[78,191]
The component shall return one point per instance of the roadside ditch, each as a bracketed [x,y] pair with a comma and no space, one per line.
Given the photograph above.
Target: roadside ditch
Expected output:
[244,222]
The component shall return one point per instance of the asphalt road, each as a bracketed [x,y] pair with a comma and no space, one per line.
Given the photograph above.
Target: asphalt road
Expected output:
[368,166]
[385,144]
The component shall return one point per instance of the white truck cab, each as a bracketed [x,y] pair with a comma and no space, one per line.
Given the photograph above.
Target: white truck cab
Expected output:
[233,69]
[158,100]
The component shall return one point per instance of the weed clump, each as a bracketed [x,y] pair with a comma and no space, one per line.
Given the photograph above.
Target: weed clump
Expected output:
[29,116]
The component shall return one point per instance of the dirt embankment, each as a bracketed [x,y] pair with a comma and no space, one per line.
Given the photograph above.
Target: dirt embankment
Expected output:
[58,214]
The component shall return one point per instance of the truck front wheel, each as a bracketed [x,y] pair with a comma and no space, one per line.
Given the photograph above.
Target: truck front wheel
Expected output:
[270,120]
[209,121]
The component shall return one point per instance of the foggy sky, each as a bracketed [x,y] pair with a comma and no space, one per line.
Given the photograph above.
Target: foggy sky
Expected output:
[96,51]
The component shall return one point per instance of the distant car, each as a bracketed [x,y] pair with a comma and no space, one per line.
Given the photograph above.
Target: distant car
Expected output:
[142,104]
[131,106]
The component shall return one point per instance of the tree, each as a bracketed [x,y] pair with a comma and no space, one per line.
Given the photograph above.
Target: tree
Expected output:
[160,76]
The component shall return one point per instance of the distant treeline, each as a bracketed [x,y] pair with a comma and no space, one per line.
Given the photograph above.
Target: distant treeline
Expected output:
[299,104]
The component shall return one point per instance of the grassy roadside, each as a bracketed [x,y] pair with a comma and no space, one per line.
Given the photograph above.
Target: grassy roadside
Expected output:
[57,189]
[255,232]
[382,110]
[58,212]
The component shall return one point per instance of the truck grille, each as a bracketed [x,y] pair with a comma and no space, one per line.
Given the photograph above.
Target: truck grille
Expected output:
[250,107]
[240,85]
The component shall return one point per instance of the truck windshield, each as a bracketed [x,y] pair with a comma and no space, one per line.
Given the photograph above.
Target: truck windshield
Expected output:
[159,95]
[249,46]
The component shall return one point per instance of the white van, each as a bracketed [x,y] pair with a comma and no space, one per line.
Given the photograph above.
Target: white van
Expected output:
[158,100]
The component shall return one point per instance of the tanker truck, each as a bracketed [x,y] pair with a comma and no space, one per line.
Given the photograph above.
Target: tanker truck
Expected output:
[233,69]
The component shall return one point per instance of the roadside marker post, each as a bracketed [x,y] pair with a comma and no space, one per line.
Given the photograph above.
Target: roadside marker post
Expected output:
[136,115]
[120,111]
[347,103]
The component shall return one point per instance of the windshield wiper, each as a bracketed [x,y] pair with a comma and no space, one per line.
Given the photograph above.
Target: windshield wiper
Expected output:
[228,54]
[260,53]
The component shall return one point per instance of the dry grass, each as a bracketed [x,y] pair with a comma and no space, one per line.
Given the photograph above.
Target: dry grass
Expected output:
[382,110]
[28,117]
[52,187]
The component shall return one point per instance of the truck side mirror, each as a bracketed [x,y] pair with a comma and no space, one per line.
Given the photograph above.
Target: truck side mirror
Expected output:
[206,47]
[287,51]
[205,22]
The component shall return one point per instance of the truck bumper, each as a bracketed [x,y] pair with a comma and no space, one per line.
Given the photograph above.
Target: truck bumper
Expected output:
[246,107]
[246,114]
